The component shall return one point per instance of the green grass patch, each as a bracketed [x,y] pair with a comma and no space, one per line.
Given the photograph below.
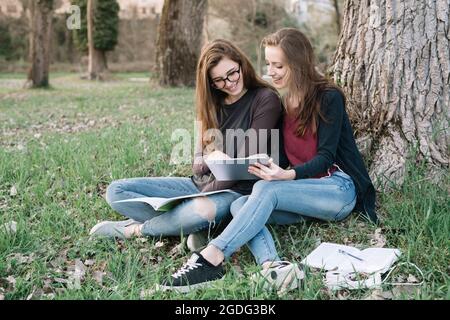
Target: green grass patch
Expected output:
[61,147]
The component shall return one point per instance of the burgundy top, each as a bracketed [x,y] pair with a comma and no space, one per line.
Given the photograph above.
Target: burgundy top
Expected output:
[300,150]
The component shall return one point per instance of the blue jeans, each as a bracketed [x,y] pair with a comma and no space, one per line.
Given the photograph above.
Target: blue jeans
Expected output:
[187,217]
[284,202]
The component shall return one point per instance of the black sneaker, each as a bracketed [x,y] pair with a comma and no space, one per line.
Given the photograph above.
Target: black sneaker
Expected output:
[196,273]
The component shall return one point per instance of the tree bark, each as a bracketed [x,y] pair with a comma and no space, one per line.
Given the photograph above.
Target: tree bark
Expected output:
[180,34]
[338,16]
[393,61]
[41,26]
[97,59]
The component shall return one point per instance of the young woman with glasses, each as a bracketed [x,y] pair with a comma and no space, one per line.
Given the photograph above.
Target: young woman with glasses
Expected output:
[229,95]
[327,178]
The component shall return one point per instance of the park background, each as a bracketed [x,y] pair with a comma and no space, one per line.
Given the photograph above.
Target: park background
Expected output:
[75,115]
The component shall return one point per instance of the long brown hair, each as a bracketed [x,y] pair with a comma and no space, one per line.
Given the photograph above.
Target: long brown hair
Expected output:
[208,98]
[306,84]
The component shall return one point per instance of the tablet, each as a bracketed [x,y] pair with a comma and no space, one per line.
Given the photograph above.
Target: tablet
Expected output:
[235,168]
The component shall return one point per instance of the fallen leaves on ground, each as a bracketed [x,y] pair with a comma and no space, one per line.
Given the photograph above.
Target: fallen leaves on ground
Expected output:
[158,244]
[20,258]
[378,240]
[379,294]
[176,250]
[10,227]
[147,293]
[13,191]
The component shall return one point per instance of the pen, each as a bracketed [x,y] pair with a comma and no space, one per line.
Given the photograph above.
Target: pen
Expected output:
[348,254]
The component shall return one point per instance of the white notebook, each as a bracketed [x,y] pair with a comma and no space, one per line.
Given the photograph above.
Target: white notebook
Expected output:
[332,256]
[165,204]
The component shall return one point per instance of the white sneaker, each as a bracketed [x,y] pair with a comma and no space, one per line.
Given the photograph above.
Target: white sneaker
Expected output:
[281,276]
[112,229]
[197,241]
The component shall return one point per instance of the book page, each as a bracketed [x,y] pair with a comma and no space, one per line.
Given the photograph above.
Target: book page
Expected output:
[165,204]
[332,256]
[380,259]
[153,201]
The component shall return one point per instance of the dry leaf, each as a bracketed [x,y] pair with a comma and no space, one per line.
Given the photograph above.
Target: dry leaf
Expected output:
[159,244]
[98,276]
[36,293]
[11,227]
[342,294]
[412,279]
[379,294]
[147,293]
[47,286]
[377,239]
[21,259]
[11,280]
[13,191]
[89,262]
[177,250]
[61,280]
[403,290]
[142,239]
[77,275]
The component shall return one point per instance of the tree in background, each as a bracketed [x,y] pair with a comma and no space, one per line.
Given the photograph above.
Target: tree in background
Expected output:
[247,22]
[99,32]
[41,23]
[180,34]
[393,61]
[6,48]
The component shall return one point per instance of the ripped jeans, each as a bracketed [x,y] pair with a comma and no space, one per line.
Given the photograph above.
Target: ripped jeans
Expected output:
[284,202]
[190,216]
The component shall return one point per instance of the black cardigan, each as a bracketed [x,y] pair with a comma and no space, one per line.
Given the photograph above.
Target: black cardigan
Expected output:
[336,144]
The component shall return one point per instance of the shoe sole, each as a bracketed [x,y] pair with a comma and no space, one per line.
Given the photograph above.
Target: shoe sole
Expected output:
[98,226]
[186,289]
[101,224]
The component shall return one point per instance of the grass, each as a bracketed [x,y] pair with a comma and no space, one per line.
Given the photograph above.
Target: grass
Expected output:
[61,147]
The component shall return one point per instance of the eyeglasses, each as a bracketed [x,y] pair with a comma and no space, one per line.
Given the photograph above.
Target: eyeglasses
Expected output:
[234,76]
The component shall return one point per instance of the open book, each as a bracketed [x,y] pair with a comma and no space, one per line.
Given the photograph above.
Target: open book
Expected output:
[165,204]
[228,169]
[332,256]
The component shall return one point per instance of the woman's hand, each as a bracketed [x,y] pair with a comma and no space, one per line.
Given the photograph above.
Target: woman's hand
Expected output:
[271,171]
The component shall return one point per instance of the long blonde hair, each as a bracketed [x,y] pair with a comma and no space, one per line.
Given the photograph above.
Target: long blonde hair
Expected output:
[208,98]
[305,84]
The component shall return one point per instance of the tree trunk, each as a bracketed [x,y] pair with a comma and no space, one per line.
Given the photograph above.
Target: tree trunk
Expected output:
[393,61]
[41,26]
[338,16]
[97,58]
[180,34]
